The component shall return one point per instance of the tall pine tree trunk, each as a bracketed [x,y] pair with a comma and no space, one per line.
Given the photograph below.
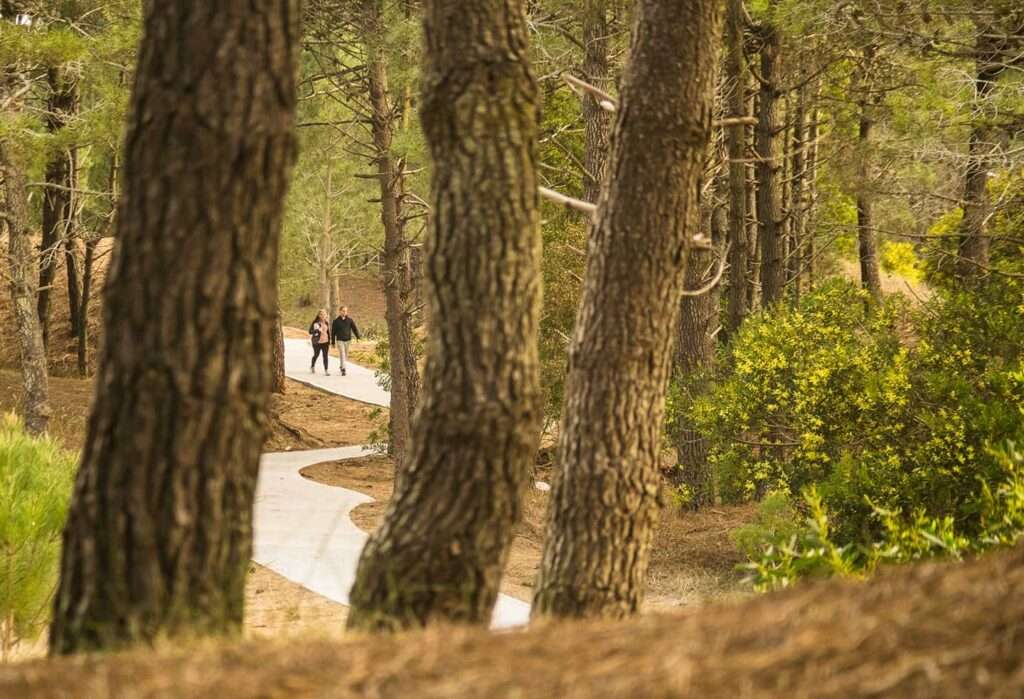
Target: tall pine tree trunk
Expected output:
[397,276]
[603,506]
[22,270]
[440,552]
[769,160]
[867,241]
[159,533]
[736,147]
[597,121]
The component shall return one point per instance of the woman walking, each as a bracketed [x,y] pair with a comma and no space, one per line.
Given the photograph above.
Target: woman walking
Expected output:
[320,335]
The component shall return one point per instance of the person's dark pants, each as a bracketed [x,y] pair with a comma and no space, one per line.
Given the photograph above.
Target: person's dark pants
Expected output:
[319,348]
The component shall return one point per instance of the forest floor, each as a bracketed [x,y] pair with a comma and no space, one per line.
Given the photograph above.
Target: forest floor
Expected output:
[693,559]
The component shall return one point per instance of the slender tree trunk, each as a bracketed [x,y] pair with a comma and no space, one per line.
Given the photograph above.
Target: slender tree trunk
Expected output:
[159,533]
[22,271]
[798,204]
[603,506]
[324,251]
[867,242]
[445,538]
[57,214]
[769,160]
[810,260]
[83,320]
[397,277]
[279,385]
[972,259]
[597,121]
[736,146]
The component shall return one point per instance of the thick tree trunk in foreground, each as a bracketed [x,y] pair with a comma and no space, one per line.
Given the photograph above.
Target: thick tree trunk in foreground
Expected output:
[769,161]
[440,552]
[397,276]
[597,121]
[158,537]
[22,270]
[604,504]
[736,142]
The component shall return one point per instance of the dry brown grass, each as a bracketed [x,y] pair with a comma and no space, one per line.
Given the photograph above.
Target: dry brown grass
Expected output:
[933,631]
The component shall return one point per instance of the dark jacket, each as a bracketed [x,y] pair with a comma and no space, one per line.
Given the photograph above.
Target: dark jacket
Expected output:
[313,334]
[343,329]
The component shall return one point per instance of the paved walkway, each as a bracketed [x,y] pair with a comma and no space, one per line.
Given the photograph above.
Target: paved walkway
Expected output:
[359,384]
[302,529]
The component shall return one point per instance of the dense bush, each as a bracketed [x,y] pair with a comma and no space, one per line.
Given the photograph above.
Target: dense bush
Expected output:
[35,486]
[871,410]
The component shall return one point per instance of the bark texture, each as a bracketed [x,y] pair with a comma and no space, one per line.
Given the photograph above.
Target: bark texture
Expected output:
[604,503]
[867,242]
[159,533]
[769,161]
[442,546]
[597,121]
[22,272]
[736,147]
[398,290]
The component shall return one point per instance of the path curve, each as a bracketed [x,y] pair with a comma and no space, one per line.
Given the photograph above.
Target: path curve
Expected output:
[303,529]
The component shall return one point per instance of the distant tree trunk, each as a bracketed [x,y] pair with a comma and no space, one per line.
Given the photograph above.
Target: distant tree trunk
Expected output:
[603,506]
[695,357]
[22,270]
[158,537]
[324,248]
[279,385]
[798,203]
[597,121]
[440,552]
[58,202]
[397,277]
[867,241]
[736,146]
[769,160]
[810,251]
[972,259]
[83,320]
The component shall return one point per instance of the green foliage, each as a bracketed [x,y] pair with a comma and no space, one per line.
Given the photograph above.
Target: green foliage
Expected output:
[892,405]
[35,487]
[780,556]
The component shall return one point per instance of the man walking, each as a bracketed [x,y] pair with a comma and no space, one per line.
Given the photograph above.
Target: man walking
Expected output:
[342,330]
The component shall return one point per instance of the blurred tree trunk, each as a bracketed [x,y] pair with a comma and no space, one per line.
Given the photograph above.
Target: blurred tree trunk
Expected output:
[769,160]
[22,270]
[159,534]
[736,145]
[597,121]
[798,205]
[278,353]
[603,506]
[398,292]
[440,552]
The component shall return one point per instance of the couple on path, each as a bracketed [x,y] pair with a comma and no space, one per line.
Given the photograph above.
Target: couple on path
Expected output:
[324,333]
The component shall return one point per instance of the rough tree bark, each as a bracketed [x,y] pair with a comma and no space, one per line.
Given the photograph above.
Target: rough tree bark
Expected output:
[22,270]
[766,146]
[279,385]
[159,533]
[398,290]
[867,242]
[604,503]
[440,551]
[597,121]
[736,146]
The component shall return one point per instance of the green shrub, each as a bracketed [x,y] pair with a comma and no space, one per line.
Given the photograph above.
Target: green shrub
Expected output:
[35,487]
[900,258]
[889,404]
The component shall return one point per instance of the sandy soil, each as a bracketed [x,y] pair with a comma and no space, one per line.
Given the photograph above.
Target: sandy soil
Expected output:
[693,559]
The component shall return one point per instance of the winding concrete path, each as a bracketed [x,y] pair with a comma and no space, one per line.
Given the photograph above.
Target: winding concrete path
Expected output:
[302,529]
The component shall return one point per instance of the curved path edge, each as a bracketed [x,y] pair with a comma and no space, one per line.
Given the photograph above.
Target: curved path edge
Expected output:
[303,529]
